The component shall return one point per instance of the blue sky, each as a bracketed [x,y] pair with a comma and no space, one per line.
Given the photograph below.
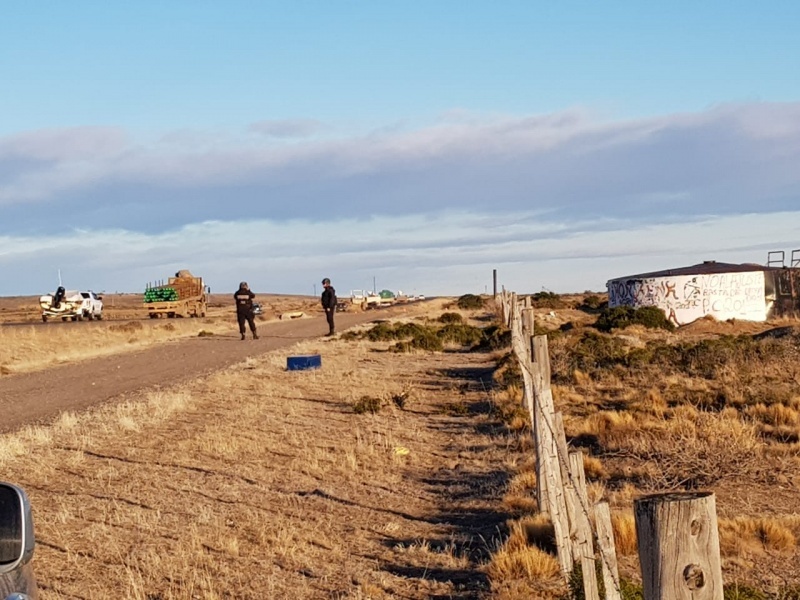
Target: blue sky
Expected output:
[420,143]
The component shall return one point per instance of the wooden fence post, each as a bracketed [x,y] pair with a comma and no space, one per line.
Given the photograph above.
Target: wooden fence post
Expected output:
[521,348]
[583,528]
[549,452]
[527,322]
[608,550]
[678,544]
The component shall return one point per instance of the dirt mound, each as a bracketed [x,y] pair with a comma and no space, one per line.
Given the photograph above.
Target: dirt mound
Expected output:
[709,325]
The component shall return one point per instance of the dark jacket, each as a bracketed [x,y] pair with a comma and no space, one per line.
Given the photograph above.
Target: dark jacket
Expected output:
[244,301]
[329,298]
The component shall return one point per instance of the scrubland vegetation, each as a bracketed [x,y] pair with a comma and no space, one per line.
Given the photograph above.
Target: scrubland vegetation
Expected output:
[655,410]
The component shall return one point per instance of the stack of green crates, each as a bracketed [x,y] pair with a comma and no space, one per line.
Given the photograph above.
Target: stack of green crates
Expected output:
[160,294]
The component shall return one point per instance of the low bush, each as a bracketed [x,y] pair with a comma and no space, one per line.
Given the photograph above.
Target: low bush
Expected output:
[595,351]
[415,336]
[495,337]
[470,302]
[460,333]
[381,332]
[547,300]
[507,373]
[593,302]
[426,340]
[620,317]
[450,317]
[367,404]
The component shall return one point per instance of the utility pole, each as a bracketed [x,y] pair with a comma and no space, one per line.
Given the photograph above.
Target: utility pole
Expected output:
[374,288]
[494,279]
[315,289]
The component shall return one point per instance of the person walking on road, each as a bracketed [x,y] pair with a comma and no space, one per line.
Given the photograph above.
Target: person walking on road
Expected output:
[329,303]
[244,309]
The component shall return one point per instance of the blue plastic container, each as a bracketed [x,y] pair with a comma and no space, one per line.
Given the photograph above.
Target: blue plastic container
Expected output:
[303,363]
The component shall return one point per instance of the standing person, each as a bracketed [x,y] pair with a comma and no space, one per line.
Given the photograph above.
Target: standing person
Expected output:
[244,309]
[329,303]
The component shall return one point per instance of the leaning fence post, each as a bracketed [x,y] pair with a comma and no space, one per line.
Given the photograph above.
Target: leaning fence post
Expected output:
[608,550]
[550,467]
[584,549]
[520,344]
[678,544]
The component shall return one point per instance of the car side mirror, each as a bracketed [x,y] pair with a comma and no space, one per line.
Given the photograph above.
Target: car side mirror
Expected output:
[16,528]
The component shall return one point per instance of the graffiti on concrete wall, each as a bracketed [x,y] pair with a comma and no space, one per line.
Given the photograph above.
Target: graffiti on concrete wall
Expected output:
[687,298]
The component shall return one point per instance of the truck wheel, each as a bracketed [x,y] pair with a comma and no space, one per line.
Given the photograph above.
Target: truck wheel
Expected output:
[44,318]
[170,315]
[78,318]
[65,319]
[90,316]
[99,316]
[153,315]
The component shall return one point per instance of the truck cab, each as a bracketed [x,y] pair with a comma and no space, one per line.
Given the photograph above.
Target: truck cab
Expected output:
[71,305]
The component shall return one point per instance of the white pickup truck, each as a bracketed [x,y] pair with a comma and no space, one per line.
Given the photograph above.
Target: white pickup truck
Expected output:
[71,305]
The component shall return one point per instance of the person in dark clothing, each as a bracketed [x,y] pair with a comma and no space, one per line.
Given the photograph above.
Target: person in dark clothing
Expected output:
[329,303]
[244,309]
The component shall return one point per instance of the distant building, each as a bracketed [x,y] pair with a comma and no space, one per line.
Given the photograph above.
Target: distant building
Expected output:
[749,292]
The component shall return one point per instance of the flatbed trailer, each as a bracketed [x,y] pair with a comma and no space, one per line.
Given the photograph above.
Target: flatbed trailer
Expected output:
[182,296]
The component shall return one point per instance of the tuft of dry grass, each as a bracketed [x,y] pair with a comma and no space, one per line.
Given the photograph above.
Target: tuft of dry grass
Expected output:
[593,468]
[522,566]
[749,535]
[522,562]
[624,527]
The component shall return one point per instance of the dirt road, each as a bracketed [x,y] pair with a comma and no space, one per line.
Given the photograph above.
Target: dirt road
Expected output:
[41,396]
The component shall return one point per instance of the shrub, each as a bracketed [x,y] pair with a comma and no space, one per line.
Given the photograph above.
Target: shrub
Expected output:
[620,317]
[593,302]
[470,302]
[508,373]
[547,300]
[495,337]
[653,318]
[426,340]
[411,330]
[460,333]
[367,404]
[450,317]
[381,332]
[694,451]
[597,351]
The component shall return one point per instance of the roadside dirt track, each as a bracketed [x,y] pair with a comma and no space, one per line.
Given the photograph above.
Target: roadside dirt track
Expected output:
[39,397]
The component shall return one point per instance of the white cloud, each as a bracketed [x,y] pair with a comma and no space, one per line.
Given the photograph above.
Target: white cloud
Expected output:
[67,144]
[565,201]
[444,253]
[571,162]
[287,128]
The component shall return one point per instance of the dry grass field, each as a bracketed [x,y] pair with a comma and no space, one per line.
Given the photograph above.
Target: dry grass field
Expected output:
[410,474]
[30,345]
[256,482]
